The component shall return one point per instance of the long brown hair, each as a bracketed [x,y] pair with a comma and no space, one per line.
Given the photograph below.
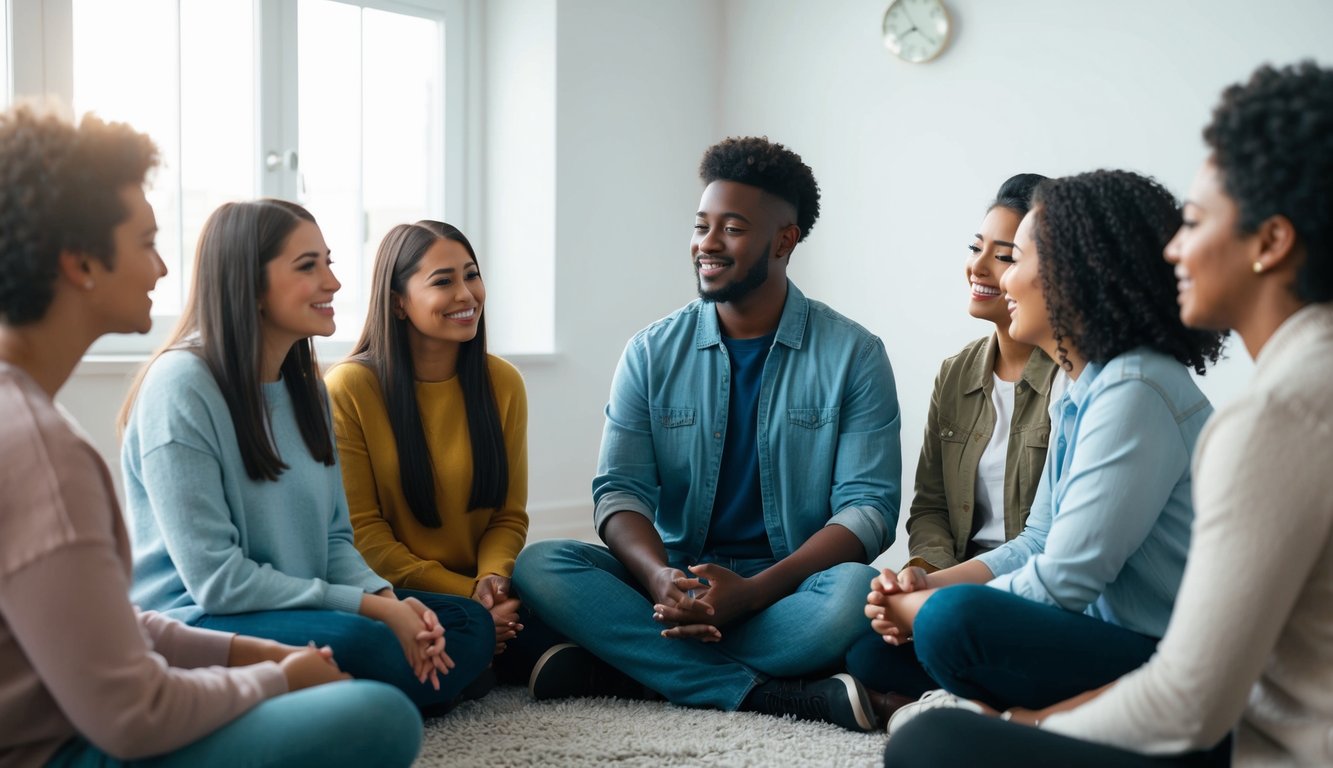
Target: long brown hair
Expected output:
[383,348]
[221,325]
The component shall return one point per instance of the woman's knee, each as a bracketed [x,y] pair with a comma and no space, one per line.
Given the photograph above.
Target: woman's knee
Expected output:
[372,720]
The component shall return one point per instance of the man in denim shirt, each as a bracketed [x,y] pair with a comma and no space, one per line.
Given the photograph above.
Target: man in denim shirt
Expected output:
[749,469]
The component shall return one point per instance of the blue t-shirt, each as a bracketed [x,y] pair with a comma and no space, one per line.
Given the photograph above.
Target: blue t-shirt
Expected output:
[737,526]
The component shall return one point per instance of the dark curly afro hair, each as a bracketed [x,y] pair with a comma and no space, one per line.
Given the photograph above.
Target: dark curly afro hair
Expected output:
[1100,237]
[59,191]
[756,161]
[1272,142]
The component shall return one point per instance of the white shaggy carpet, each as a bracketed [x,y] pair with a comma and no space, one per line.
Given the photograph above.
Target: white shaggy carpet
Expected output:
[507,728]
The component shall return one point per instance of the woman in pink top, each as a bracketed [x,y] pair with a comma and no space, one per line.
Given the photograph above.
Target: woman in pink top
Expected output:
[85,679]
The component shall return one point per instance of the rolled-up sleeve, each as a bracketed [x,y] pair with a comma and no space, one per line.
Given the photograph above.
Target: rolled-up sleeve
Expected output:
[867,471]
[627,478]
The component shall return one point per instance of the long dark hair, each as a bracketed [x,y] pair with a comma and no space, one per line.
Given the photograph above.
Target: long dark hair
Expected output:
[383,348]
[221,325]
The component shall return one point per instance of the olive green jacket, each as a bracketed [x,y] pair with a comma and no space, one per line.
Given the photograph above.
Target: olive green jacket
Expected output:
[940,525]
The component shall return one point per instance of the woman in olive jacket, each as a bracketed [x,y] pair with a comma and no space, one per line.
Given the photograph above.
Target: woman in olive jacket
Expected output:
[985,440]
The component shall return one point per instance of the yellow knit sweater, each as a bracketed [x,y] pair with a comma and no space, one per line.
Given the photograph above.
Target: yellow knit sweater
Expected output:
[448,559]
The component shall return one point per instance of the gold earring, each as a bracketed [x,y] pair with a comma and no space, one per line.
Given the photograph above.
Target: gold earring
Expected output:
[1258,267]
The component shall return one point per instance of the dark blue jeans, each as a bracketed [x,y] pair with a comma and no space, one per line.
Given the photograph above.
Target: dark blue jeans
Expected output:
[367,649]
[981,643]
[888,668]
[956,737]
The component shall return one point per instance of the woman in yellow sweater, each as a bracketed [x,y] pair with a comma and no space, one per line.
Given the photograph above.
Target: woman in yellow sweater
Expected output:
[432,431]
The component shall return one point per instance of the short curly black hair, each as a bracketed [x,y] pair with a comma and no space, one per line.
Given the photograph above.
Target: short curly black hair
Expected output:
[1271,140]
[1100,237]
[756,161]
[59,191]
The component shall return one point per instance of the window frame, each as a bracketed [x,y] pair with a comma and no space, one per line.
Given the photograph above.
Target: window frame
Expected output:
[40,62]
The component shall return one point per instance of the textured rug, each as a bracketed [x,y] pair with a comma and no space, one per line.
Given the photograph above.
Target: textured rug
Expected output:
[507,728]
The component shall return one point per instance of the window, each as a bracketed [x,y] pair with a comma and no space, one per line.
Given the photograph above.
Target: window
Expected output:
[340,105]
[6,87]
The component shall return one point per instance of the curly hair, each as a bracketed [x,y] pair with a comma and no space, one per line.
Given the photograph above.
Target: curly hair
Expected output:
[1271,140]
[1100,237]
[758,162]
[59,191]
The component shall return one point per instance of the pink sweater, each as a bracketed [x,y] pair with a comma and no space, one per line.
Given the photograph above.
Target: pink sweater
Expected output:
[75,656]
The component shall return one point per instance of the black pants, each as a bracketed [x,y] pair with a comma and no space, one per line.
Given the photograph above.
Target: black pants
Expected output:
[956,737]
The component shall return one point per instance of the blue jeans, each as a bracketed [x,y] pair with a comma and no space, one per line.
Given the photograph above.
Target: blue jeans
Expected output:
[586,594]
[352,724]
[1008,651]
[367,649]
[888,668]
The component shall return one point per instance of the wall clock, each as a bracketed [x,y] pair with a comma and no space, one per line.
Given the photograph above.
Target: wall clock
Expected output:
[917,31]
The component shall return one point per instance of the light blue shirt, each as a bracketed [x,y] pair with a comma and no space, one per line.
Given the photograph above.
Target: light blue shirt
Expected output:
[1110,524]
[206,537]
[827,430]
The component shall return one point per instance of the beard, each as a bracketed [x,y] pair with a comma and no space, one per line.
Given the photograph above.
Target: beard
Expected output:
[736,290]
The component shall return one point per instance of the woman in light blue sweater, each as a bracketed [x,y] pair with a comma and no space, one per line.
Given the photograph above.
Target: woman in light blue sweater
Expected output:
[235,500]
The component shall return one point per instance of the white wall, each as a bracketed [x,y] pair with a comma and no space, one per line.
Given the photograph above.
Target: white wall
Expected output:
[907,157]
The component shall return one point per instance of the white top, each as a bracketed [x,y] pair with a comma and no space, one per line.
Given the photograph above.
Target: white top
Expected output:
[1251,637]
[989,501]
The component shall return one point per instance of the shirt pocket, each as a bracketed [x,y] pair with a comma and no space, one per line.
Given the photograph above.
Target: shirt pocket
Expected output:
[812,418]
[676,442]
[957,478]
[672,417]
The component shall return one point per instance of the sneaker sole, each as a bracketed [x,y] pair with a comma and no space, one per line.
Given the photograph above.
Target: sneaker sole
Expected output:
[860,701]
[541,662]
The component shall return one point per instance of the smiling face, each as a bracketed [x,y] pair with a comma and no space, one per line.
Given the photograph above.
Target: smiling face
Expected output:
[444,298]
[1214,262]
[991,253]
[1029,320]
[299,300]
[737,232]
[121,293]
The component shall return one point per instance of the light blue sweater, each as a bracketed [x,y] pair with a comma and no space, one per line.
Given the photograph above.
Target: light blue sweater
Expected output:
[209,540]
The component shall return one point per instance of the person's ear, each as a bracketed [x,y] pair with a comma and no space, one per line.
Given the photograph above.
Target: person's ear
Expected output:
[787,239]
[1277,240]
[398,310]
[76,269]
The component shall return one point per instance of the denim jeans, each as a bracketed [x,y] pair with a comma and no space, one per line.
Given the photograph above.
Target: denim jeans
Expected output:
[983,643]
[585,593]
[368,649]
[888,668]
[352,724]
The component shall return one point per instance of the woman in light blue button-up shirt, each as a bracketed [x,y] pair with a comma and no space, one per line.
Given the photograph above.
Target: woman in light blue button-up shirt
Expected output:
[1085,591]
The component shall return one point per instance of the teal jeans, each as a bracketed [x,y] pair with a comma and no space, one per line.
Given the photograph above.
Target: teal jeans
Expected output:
[353,723]
[583,592]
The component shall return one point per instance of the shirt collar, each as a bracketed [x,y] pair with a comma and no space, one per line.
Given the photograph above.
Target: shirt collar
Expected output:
[791,326]
[1036,372]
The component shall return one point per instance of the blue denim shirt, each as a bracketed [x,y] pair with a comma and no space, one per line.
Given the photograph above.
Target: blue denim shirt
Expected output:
[827,432]
[1110,525]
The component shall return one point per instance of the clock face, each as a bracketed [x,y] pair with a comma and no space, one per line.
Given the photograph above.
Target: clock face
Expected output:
[916,30]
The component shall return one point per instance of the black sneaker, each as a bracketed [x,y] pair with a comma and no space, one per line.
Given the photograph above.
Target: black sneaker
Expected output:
[568,670]
[840,700]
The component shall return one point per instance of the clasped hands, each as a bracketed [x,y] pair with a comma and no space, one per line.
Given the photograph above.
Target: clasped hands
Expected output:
[895,597]
[697,605]
[492,592]
[420,634]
